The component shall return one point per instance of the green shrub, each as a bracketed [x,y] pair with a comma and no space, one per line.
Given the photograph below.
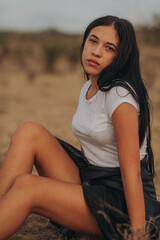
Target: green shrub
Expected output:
[52,53]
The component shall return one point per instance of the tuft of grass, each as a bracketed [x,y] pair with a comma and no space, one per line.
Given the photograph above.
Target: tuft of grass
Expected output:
[152,231]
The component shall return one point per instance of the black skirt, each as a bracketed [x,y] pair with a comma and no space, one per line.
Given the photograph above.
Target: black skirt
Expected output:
[104,195]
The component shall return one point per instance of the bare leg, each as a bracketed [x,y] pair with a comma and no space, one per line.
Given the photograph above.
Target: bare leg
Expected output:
[61,199]
[32,142]
[63,202]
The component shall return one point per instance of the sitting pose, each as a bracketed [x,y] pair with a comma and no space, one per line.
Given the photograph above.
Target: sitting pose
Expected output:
[106,187]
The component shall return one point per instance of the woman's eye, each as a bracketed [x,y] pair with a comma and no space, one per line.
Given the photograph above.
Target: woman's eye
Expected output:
[110,48]
[92,40]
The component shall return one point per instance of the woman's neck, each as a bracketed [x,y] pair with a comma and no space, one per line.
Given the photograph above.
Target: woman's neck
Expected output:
[94,84]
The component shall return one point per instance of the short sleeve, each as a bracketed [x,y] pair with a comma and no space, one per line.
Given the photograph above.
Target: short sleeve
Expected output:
[116,96]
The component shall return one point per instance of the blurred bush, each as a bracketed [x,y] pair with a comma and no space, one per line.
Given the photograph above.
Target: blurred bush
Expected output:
[150,33]
[37,52]
[52,53]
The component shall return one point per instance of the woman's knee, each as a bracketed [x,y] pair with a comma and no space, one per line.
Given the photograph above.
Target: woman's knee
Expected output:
[26,185]
[25,181]
[29,131]
[24,191]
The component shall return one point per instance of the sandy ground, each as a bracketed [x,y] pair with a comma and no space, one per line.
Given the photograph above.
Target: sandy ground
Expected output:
[51,100]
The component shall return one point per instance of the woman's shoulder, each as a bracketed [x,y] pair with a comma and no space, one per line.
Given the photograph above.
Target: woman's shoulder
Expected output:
[118,95]
[120,91]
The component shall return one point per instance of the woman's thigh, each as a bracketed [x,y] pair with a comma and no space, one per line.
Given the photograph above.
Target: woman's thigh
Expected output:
[54,162]
[64,203]
[51,160]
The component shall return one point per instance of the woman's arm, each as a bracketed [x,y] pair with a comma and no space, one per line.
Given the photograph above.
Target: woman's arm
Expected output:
[125,122]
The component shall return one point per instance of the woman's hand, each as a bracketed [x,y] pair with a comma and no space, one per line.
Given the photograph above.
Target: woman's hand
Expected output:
[125,122]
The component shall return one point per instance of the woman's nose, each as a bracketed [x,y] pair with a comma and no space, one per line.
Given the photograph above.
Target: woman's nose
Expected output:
[97,51]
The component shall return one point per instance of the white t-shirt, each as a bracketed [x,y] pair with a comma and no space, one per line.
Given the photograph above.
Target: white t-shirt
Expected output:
[92,125]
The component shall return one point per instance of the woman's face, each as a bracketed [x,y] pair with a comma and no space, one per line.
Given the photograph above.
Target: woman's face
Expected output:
[99,50]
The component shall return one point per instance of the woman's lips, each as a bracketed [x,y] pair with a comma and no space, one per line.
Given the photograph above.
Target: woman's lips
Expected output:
[93,62]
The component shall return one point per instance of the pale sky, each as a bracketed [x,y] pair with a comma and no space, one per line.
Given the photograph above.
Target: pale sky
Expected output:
[71,15]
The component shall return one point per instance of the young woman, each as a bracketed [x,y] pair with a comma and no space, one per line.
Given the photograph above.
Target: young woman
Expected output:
[110,182]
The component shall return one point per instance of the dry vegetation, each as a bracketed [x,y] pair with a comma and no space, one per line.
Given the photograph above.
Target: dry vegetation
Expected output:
[40,80]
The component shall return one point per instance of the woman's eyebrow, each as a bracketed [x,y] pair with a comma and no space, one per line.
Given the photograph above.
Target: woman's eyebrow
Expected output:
[92,35]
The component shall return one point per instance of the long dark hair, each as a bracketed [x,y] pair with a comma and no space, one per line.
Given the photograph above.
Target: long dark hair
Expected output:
[125,71]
